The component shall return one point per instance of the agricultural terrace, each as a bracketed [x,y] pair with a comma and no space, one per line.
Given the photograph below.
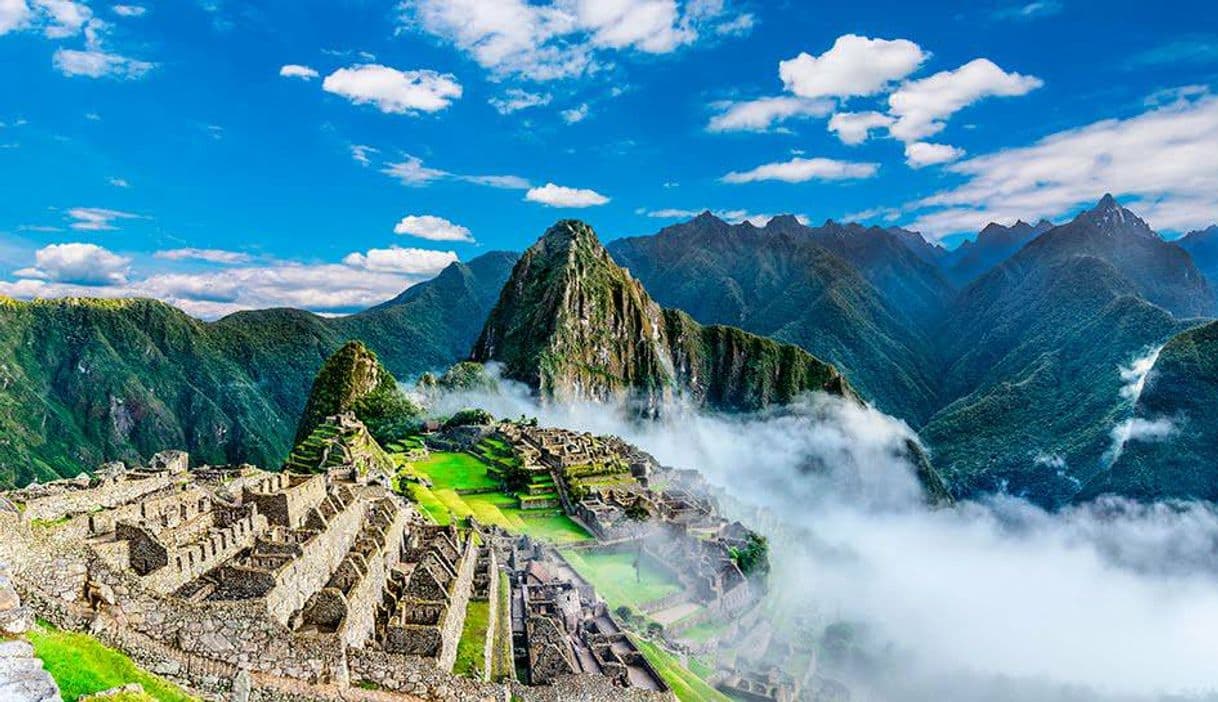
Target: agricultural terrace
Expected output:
[463,485]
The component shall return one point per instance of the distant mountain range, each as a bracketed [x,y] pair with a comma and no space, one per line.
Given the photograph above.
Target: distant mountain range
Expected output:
[1010,355]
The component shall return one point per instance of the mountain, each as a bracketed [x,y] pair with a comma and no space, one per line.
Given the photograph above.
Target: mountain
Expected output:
[353,380]
[1170,437]
[1033,351]
[1202,245]
[931,252]
[993,245]
[573,324]
[87,381]
[783,281]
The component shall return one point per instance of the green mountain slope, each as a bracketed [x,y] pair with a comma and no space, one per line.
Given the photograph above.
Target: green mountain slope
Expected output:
[573,324]
[86,381]
[780,281]
[1174,455]
[1032,350]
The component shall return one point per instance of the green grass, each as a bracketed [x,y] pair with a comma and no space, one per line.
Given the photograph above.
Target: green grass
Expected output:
[450,472]
[471,647]
[702,633]
[81,665]
[687,686]
[502,665]
[455,471]
[613,575]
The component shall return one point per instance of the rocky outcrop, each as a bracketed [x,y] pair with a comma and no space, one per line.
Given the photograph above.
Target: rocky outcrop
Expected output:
[574,325]
[22,677]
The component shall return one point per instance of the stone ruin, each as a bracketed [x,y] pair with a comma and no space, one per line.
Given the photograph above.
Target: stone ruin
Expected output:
[246,584]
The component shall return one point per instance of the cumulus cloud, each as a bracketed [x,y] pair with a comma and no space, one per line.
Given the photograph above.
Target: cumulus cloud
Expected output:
[561,39]
[553,195]
[393,91]
[1160,160]
[575,114]
[92,219]
[922,153]
[432,228]
[14,15]
[361,280]
[94,63]
[855,127]
[293,70]
[206,255]
[763,114]
[78,264]
[853,66]
[516,99]
[922,106]
[799,170]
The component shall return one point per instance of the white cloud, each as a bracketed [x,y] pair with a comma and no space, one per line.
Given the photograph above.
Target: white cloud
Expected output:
[432,228]
[401,260]
[575,114]
[119,182]
[1133,376]
[206,255]
[515,99]
[63,18]
[1139,429]
[360,281]
[412,172]
[737,27]
[854,66]
[1162,160]
[922,106]
[855,127]
[360,152]
[293,70]
[14,15]
[923,153]
[94,63]
[78,264]
[729,216]
[129,10]
[553,195]
[799,170]
[92,219]
[561,38]
[394,91]
[763,114]
[1032,10]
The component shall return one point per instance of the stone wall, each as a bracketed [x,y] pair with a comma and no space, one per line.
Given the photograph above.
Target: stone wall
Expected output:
[109,493]
[188,561]
[285,498]
[309,572]
[419,676]
[363,599]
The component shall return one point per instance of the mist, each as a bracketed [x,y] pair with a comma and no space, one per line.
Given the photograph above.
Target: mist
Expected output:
[992,599]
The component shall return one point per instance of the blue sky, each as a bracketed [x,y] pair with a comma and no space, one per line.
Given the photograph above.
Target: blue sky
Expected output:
[224,155]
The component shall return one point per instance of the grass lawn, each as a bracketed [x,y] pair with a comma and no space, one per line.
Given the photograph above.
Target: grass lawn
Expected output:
[615,579]
[471,647]
[455,471]
[702,633]
[687,686]
[81,665]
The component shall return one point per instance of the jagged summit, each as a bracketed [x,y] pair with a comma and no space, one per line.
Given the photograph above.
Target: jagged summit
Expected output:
[574,325]
[1114,220]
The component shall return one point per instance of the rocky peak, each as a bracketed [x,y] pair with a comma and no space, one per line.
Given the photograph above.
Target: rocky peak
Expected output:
[346,380]
[1113,220]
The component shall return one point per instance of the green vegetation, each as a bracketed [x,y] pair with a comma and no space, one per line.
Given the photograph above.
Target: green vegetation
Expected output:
[331,445]
[81,665]
[353,380]
[555,328]
[470,417]
[87,381]
[614,576]
[467,376]
[450,473]
[685,684]
[472,646]
[753,559]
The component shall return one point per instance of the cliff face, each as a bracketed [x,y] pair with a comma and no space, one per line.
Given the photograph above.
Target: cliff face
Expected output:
[574,325]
